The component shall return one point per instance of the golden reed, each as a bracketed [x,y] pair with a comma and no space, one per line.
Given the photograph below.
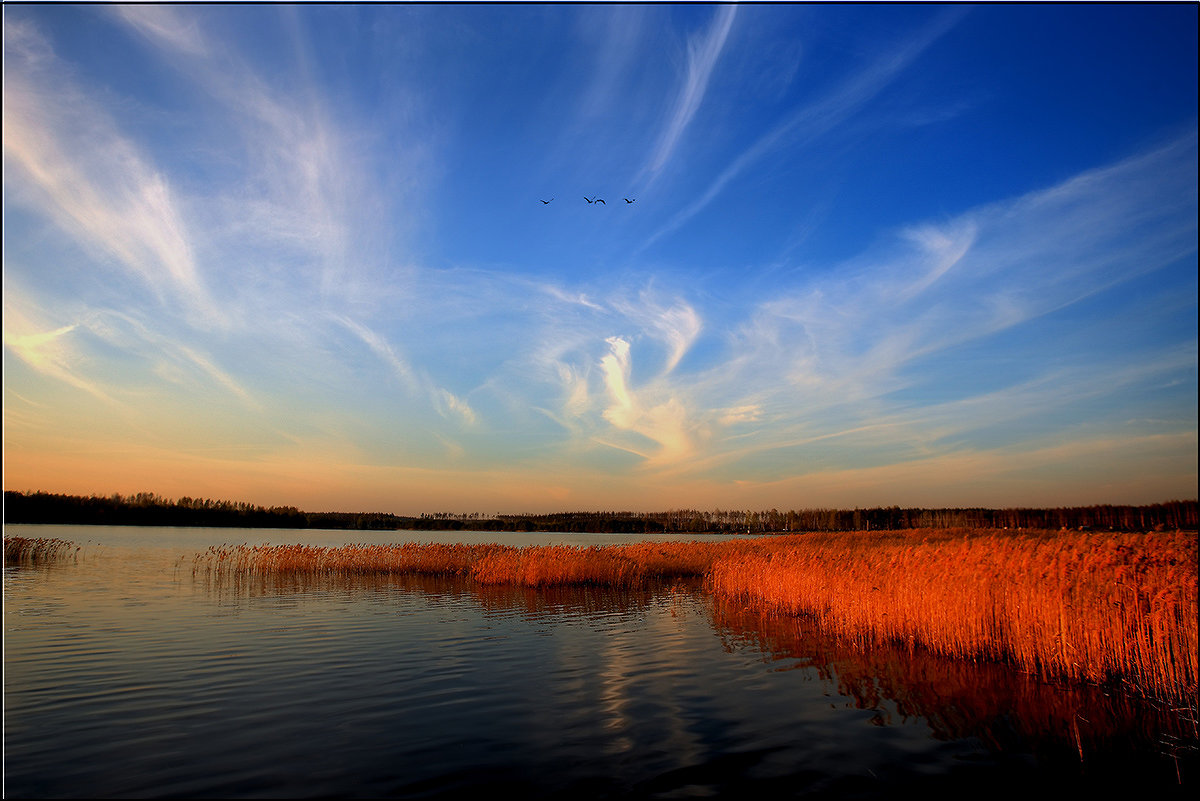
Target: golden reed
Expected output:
[636,564]
[39,550]
[1090,606]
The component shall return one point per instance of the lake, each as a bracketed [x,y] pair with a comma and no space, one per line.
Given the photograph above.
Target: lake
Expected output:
[125,676]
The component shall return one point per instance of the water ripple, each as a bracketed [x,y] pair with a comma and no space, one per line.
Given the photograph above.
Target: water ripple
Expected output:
[124,680]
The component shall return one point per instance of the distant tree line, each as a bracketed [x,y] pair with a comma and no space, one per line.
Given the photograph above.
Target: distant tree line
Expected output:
[149,509]
[1170,515]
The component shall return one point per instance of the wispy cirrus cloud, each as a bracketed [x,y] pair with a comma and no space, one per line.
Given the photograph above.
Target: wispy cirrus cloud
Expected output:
[382,349]
[305,201]
[451,405]
[315,251]
[818,118]
[276,223]
[848,341]
[48,351]
[165,24]
[67,158]
[824,372]
[614,35]
[416,382]
[67,351]
[821,367]
[703,52]
[676,325]
[661,420]
[585,352]
[1083,470]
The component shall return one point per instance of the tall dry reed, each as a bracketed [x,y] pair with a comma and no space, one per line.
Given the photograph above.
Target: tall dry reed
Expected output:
[39,550]
[959,699]
[411,558]
[1090,606]
[536,566]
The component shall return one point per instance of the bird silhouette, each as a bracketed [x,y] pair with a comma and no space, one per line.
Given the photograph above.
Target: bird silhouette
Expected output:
[601,200]
[589,200]
[546,201]
[627,200]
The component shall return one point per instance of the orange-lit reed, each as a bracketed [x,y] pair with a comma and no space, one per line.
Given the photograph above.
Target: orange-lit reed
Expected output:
[40,550]
[1091,606]
[958,698]
[1097,607]
[535,566]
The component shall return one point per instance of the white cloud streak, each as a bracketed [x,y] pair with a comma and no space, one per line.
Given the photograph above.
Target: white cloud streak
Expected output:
[702,55]
[304,192]
[664,423]
[165,24]
[66,158]
[442,400]
[615,39]
[65,353]
[848,339]
[819,118]
[384,351]
[50,352]
[676,325]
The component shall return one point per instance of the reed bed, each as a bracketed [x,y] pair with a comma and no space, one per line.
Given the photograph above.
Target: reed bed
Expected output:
[275,560]
[632,565]
[959,699]
[38,551]
[1084,606]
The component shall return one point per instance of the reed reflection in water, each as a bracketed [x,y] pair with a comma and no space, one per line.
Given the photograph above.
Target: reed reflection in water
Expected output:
[126,680]
[1072,731]
[1068,733]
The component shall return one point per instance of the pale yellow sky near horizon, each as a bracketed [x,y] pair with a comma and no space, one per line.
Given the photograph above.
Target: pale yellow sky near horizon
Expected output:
[1049,477]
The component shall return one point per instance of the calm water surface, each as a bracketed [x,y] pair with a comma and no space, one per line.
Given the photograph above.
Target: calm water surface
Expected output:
[127,677]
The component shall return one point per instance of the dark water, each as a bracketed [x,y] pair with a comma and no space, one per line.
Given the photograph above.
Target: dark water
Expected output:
[126,677]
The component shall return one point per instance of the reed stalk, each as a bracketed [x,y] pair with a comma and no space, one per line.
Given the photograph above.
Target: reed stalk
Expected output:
[39,550]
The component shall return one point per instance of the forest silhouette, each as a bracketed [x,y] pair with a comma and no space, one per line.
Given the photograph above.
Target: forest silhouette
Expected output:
[150,509]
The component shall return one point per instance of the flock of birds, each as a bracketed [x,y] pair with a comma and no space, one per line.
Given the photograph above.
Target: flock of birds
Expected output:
[591,200]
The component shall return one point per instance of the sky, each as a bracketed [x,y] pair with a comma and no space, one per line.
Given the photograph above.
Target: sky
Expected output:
[848,255]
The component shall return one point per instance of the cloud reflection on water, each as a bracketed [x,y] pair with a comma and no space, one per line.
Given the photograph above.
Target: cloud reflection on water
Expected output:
[1087,732]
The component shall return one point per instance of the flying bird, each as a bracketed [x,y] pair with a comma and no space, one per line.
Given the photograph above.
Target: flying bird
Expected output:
[546,201]
[589,200]
[601,200]
[627,200]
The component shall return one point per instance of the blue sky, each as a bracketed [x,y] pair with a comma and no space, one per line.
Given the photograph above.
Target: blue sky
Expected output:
[879,254]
